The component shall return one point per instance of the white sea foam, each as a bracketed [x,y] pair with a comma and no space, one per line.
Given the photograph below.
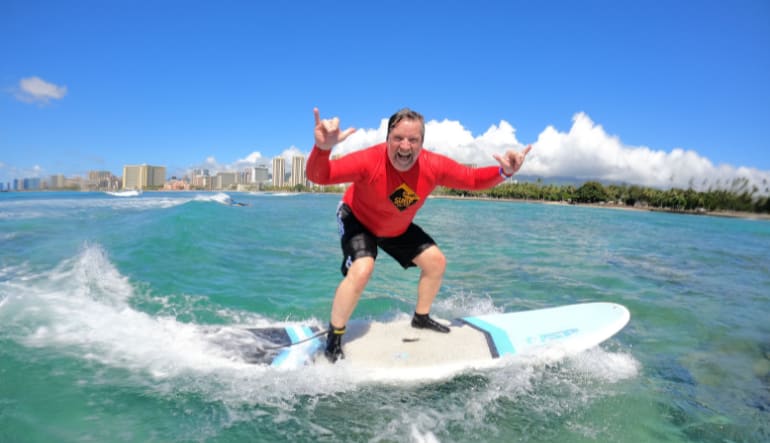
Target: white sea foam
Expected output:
[465,304]
[220,197]
[83,305]
[603,365]
[83,309]
[62,207]
[422,437]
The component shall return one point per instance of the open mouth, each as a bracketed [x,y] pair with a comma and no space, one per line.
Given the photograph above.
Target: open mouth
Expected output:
[404,158]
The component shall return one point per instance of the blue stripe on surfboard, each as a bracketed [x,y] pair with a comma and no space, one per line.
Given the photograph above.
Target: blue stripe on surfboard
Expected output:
[499,337]
[279,359]
[306,332]
[316,342]
[294,338]
[296,334]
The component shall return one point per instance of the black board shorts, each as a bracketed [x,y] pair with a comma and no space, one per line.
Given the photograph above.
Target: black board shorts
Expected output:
[356,241]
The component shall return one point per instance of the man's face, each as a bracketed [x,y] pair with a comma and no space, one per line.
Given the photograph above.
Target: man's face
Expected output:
[405,144]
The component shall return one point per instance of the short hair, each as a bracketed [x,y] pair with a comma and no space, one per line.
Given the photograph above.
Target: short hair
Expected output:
[406,114]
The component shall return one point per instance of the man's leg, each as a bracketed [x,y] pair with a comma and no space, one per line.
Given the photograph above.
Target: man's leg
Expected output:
[432,264]
[350,289]
[345,300]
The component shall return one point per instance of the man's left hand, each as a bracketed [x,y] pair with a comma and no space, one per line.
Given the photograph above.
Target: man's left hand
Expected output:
[512,160]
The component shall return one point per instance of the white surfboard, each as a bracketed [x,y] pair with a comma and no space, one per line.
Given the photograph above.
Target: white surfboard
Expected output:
[392,349]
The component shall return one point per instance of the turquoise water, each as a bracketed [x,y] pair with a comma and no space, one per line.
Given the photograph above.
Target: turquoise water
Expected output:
[119,322]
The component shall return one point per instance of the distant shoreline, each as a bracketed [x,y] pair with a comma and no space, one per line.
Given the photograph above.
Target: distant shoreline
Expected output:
[725,214]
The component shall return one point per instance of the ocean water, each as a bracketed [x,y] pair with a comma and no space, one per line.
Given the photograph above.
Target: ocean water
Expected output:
[121,318]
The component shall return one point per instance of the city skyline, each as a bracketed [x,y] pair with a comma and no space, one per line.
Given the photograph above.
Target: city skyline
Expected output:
[654,94]
[154,176]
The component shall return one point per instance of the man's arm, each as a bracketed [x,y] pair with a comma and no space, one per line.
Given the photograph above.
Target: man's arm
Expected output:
[458,176]
[321,169]
[327,135]
[318,169]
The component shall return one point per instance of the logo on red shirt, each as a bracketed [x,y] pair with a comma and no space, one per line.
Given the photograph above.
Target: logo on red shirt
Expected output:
[404,197]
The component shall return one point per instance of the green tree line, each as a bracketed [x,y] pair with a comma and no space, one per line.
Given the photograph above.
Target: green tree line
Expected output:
[738,198]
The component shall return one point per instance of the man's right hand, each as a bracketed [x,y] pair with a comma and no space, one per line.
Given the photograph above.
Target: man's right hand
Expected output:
[327,132]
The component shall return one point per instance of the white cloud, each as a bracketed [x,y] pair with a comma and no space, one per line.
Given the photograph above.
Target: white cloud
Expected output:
[287,155]
[211,164]
[585,152]
[363,138]
[37,90]
[253,159]
[588,152]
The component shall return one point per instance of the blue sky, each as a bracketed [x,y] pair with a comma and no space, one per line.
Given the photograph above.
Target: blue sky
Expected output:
[655,92]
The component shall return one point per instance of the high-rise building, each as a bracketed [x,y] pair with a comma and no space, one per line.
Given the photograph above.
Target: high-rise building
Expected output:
[279,170]
[298,171]
[31,184]
[100,180]
[143,176]
[56,181]
[257,174]
[225,180]
[200,178]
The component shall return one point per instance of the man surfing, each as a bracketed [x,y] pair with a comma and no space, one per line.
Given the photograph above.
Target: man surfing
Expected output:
[390,183]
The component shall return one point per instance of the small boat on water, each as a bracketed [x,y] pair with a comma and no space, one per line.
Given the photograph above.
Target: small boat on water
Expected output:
[125,193]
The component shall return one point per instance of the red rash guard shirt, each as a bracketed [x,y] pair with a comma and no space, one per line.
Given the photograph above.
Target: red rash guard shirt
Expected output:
[386,200]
